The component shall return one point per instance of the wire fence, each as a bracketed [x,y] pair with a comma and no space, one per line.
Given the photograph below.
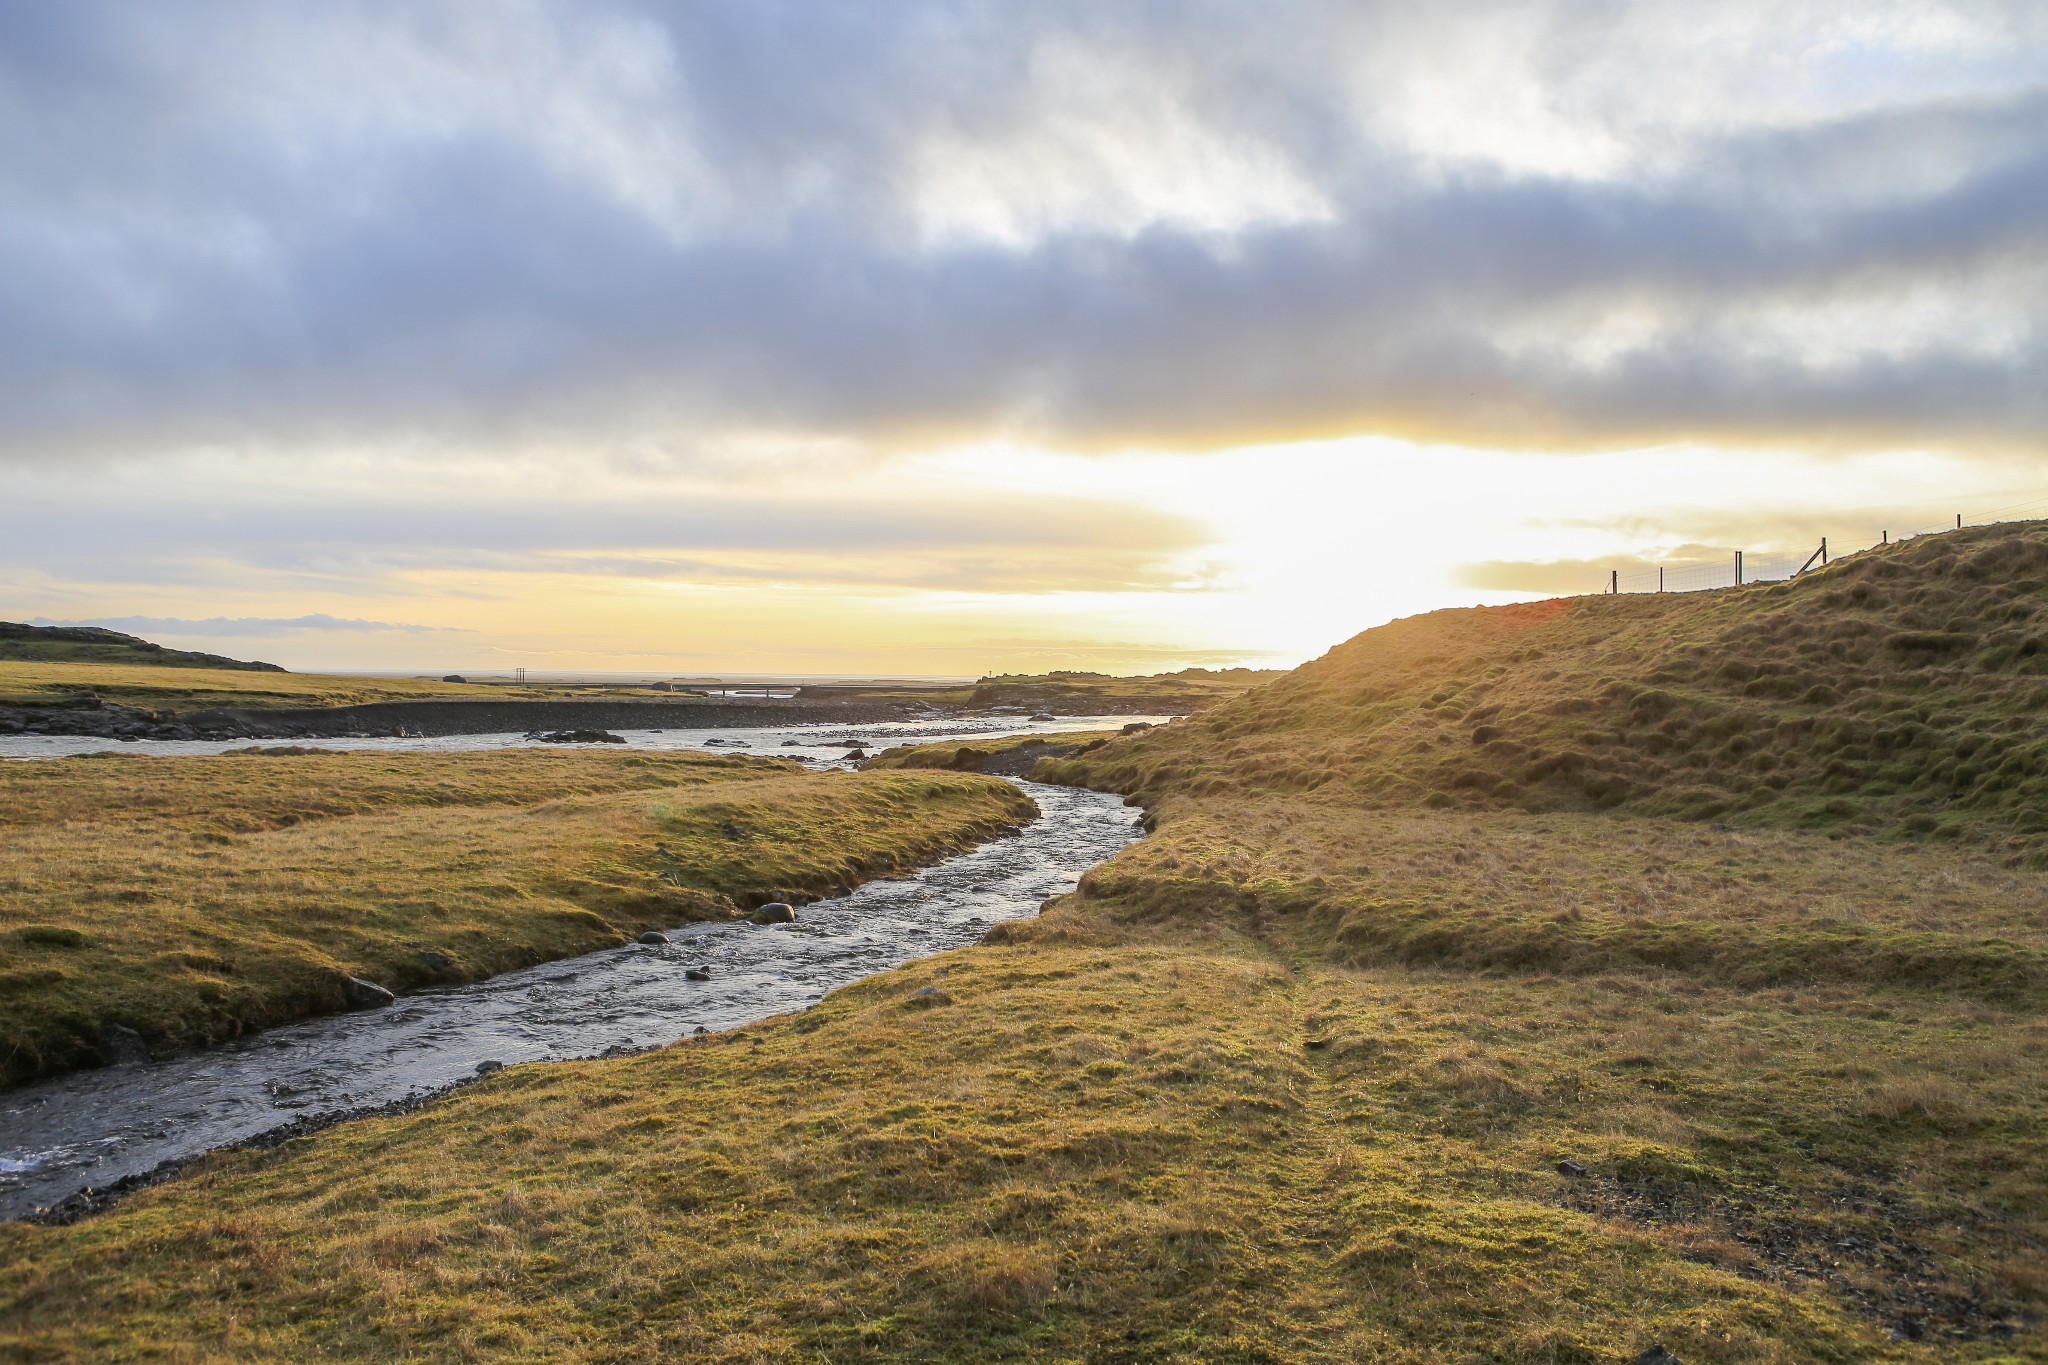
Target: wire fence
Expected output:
[1741,566]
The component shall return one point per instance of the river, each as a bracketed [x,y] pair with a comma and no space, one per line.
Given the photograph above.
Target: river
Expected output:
[91,1129]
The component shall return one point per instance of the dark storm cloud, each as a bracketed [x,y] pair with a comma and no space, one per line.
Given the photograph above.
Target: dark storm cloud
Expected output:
[229,221]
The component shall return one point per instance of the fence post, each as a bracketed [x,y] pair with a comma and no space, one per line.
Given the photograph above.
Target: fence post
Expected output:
[1738,568]
[1887,537]
[1823,552]
[1660,578]
[1959,521]
[1614,582]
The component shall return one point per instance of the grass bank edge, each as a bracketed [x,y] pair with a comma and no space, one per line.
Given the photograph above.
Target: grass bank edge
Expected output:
[194,926]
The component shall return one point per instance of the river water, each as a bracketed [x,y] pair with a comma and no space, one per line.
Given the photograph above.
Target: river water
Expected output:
[93,1128]
[813,743]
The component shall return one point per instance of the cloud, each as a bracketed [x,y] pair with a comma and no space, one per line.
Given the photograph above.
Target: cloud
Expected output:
[219,627]
[317,526]
[1144,223]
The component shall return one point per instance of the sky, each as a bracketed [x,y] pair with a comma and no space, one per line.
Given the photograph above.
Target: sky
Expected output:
[954,336]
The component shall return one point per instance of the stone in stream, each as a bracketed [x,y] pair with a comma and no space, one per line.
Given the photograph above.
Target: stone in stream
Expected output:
[697,974]
[653,938]
[774,912]
[578,737]
[123,1046]
[364,995]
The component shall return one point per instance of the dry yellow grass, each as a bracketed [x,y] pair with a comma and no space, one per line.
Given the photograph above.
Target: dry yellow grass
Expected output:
[194,899]
[151,688]
[1135,1150]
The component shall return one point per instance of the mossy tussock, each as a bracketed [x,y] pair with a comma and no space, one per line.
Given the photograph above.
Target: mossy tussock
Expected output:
[1897,692]
[197,899]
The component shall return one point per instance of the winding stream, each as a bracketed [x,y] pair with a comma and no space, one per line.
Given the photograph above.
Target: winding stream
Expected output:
[93,1128]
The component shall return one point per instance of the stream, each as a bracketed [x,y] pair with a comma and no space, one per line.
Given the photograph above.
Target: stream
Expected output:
[91,1129]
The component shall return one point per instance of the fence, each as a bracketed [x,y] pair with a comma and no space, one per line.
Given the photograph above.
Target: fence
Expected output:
[1741,566]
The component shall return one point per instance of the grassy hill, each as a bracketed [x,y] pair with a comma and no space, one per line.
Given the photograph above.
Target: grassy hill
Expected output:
[1531,984]
[1896,693]
[90,644]
[1074,693]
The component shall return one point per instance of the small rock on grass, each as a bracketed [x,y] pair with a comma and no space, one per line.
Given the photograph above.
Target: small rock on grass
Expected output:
[653,938]
[1574,1170]
[1657,1355]
[930,995]
[123,1046]
[364,995]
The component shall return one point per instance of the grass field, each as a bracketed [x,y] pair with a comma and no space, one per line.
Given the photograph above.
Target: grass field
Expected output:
[1191,689]
[1111,1144]
[194,899]
[151,688]
[970,756]
[1395,1042]
[1896,694]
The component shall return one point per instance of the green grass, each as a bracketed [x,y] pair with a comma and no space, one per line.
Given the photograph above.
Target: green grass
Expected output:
[90,644]
[195,899]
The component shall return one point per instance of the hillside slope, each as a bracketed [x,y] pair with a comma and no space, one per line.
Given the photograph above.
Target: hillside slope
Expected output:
[1897,692]
[90,644]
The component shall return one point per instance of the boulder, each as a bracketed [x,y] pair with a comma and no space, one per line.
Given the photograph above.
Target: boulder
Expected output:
[856,755]
[578,737]
[774,912]
[1570,1168]
[653,938]
[697,974]
[1136,726]
[455,678]
[486,1068]
[364,995]
[436,962]
[123,1046]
